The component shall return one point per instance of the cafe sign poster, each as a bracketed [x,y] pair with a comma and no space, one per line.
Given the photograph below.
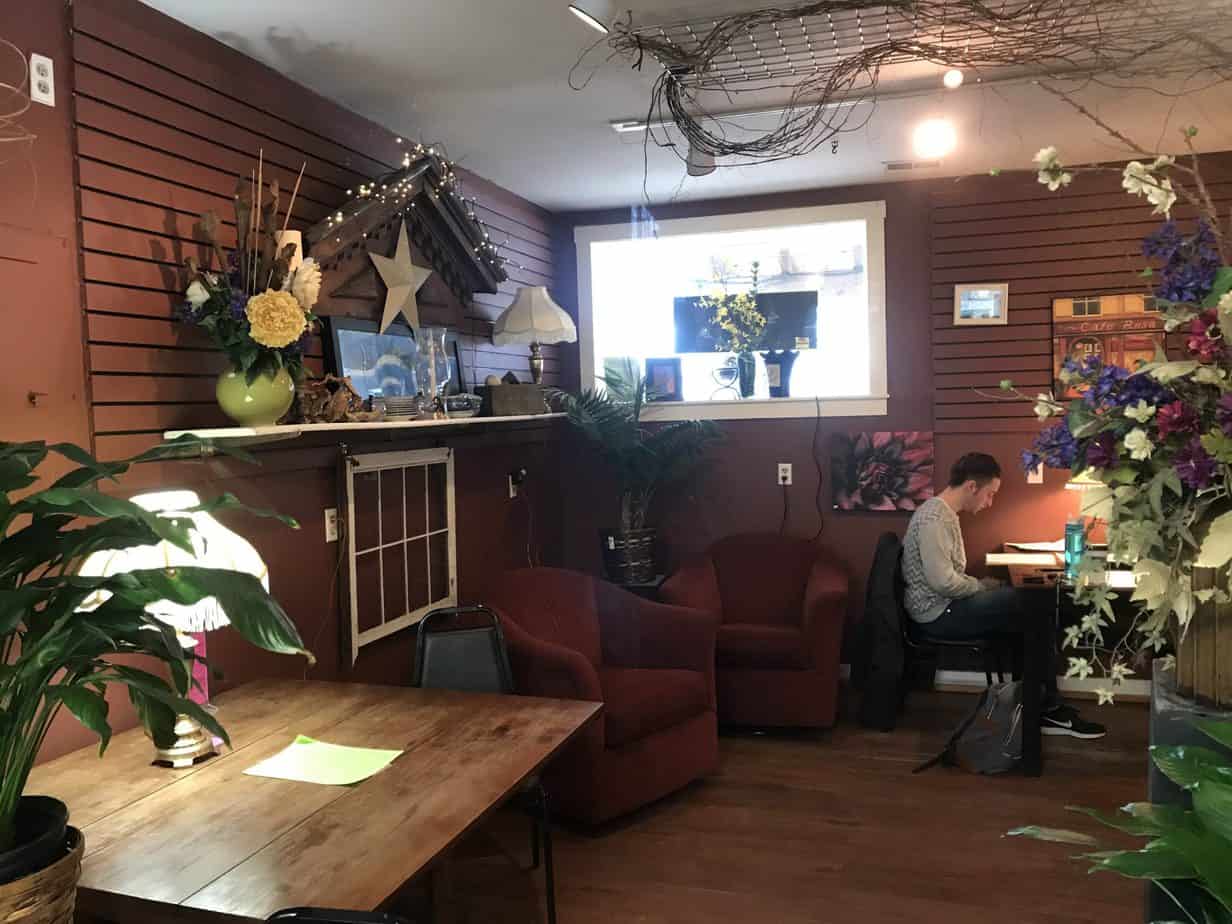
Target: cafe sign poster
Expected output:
[1119,329]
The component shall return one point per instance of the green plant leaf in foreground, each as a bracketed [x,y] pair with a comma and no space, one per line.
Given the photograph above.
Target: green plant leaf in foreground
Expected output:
[1055,835]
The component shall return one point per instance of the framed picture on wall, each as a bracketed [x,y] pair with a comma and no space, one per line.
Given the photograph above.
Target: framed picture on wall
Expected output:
[383,363]
[982,303]
[663,380]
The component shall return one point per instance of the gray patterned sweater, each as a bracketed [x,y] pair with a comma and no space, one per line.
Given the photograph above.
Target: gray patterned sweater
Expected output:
[935,561]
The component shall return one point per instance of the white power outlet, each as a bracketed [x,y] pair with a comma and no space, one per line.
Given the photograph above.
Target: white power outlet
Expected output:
[331,524]
[784,473]
[1036,475]
[42,80]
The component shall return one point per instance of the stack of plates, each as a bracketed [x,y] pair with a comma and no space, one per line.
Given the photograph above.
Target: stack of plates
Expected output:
[403,407]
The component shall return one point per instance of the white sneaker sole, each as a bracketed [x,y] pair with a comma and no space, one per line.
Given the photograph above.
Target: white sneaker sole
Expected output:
[1070,732]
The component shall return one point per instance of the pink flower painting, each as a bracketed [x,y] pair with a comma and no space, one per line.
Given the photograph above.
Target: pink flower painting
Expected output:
[885,470]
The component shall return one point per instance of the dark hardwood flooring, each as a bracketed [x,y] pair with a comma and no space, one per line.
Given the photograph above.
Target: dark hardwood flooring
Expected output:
[834,828]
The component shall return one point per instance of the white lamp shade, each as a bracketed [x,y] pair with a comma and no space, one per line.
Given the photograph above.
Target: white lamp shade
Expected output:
[533,318]
[595,13]
[214,546]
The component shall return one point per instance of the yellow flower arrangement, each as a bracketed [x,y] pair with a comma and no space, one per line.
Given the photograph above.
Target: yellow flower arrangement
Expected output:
[276,318]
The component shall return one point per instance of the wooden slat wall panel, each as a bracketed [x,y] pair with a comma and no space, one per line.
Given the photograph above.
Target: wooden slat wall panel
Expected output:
[1085,240]
[165,119]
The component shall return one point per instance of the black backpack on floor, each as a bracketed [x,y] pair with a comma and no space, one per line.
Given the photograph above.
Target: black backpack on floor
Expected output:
[989,739]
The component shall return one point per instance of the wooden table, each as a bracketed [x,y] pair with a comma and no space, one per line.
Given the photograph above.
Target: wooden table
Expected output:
[210,843]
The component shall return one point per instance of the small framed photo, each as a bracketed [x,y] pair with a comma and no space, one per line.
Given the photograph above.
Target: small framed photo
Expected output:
[982,303]
[663,380]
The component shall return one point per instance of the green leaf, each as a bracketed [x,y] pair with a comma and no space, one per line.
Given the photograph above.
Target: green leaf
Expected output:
[1189,765]
[17,464]
[231,502]
[90,709]
[1055,835]
[1217,731]
[84,502]
[1216,548]
[1212,803]
[16,604]
[1136,822]
[1221,287]
[158,705]
[1155,861]
[1211,857]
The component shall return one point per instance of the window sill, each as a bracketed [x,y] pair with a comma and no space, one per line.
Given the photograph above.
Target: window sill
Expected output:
[766,408]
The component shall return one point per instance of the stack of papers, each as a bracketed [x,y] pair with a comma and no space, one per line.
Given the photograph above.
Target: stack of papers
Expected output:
[1057,546]
[307,760]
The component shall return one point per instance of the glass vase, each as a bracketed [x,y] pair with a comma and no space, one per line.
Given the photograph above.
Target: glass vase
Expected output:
[431,361]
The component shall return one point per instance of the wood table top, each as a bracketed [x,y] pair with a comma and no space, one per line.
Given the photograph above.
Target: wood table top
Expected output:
[213,839]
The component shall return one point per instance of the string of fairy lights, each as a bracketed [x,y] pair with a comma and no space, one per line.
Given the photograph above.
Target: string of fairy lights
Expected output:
[399,188]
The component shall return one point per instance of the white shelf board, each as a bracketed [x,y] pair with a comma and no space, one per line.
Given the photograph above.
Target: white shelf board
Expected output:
[292,431]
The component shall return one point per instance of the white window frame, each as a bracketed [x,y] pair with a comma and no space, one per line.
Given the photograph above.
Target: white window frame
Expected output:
[376,462]
[870,405]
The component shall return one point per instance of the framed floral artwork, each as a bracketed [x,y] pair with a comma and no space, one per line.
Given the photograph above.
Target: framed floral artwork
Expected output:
[886,470]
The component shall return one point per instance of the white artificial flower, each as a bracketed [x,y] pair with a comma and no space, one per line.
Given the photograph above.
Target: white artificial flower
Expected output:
[1046,158]
[1072,636]
[1141,412]
[1210,375]
[197,294]
[1139,444]
[1161,196]
[1120,671]
[1045,407]
[1135,178]
[1162,161]
[1080,668]
[306,283]
[1169,662]
[1055,179]
[1103,696]
[1091,623]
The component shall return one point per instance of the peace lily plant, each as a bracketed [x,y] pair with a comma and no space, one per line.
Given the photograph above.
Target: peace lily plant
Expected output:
[1158,438]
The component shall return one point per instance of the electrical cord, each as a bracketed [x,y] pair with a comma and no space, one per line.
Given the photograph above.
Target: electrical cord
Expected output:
[821,516]
[783,522]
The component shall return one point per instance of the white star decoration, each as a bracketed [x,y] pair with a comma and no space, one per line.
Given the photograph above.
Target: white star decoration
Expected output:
[402,280]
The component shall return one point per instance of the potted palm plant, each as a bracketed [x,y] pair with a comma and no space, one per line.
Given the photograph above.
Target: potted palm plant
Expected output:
[55,650]
[644,461]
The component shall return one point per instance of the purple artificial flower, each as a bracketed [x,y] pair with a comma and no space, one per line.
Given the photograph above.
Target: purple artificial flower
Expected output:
[1205,341]
[1176,417]
[1223,414]
[1142,388]
[1106,384]
[1189,263]
[1055,447]
[239,302]
[1102,451]
[187,313]
[1194,465]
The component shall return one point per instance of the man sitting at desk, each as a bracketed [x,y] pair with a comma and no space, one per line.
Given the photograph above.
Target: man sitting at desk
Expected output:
[947,603]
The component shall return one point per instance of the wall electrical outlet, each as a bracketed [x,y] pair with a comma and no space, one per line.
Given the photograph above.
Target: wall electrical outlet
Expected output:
[331,524]
[784,473]
[42,80]
[515,480]
[1036,475]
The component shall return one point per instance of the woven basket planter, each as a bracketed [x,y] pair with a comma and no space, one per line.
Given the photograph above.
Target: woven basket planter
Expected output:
[48,896]
[628,557]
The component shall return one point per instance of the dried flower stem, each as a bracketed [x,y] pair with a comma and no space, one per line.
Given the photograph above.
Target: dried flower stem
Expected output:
[256,224]
[287,218]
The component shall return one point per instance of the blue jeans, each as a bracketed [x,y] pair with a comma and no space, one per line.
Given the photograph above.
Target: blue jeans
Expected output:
[1002,611]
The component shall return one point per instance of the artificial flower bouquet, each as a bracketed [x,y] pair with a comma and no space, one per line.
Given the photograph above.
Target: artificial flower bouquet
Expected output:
[257,309]
[1158,437]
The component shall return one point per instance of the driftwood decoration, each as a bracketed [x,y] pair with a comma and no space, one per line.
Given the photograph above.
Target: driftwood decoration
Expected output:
[330,399]
[438,220]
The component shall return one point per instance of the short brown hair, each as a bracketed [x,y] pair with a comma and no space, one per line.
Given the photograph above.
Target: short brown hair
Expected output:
[979,467]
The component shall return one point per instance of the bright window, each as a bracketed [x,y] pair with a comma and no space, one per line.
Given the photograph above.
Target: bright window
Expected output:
[648,293]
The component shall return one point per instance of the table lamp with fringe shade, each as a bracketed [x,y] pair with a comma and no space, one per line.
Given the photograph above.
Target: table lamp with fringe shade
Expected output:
[532,319]
[214,546]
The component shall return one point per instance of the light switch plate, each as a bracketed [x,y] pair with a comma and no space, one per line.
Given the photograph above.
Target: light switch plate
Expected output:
[42,80]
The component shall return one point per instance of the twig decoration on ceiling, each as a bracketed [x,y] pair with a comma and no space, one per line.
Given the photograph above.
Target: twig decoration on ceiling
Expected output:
[828,57]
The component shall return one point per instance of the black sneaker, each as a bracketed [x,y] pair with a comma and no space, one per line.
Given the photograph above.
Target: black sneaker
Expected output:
[1065,720]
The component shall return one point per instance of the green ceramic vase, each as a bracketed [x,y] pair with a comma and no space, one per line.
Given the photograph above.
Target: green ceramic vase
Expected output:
[260,404]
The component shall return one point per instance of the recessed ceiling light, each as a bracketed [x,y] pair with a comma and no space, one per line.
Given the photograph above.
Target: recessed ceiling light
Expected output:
[595,13]
[953,79]
[933,139]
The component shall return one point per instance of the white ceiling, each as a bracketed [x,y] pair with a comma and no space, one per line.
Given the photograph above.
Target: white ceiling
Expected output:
[489,79]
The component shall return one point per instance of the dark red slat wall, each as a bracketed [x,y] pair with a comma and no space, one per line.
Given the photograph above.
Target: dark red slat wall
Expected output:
[162,129]
[1084,240]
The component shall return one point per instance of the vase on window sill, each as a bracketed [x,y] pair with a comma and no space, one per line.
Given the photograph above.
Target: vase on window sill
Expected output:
[746,367]
[779,364]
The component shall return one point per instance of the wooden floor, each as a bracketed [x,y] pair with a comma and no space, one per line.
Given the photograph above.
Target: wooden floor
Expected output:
[834,828]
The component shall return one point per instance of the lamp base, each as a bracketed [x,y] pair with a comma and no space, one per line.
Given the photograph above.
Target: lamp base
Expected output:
[193,742]
[536,364]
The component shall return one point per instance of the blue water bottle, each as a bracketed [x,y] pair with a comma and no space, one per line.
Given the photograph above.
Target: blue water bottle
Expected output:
[1075,545]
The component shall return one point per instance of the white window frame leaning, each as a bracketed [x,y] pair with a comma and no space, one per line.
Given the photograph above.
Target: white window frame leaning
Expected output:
[870,405]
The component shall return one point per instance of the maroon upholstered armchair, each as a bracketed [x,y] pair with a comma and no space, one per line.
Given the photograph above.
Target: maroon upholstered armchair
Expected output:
[782,605]
[652,666]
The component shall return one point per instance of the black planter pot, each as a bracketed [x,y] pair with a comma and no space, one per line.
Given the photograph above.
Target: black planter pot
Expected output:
[41,824]
[746,366]
[778,371]
[628,557]
[1172,717]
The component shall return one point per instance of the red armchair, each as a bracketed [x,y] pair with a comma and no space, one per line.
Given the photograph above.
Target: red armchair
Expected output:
[571,636]
[782,604]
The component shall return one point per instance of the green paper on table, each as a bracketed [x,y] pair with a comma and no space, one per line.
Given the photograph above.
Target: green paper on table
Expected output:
[307,760]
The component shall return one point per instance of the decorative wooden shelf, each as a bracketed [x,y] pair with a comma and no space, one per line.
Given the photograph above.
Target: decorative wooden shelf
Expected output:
[249,436]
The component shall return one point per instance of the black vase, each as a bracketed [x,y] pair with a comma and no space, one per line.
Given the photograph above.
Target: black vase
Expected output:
[41,825]
[746,365]
[778,371]
[1172,718]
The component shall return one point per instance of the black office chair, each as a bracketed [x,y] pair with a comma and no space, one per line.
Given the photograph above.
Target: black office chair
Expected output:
[333,916]
[474,659]
[991,648]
